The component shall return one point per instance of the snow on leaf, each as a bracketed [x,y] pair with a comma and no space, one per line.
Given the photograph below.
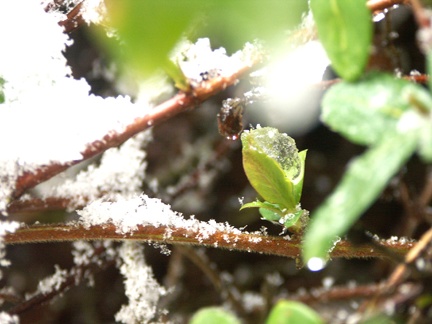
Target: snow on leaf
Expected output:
[141,288]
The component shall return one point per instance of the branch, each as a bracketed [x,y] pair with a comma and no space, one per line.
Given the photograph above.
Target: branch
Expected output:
[232,240]
[179,103]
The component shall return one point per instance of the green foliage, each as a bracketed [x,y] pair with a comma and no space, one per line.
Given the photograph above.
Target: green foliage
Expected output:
[213,315]
[149,30]
[275,169]
[345,29]
[2,96]
[292,312]
[393,117]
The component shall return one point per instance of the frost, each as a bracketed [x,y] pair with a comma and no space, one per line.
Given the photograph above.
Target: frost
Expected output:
[141,288]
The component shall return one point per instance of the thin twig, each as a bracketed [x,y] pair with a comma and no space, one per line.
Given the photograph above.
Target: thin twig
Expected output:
[217,238]
[75,276]
[336,293]
[201,261]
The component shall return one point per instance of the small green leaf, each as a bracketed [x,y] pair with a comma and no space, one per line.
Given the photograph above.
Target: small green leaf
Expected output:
[298,182]
[213,315]
[364,180]
[272,163]
[270,214]
[292,312]
[345,29]
[363,112]
[291,220]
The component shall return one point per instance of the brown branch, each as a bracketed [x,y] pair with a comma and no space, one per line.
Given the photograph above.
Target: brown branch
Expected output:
[211,272]
[232,240]
[74,19]
[38,204]
[177,104]
[400,273]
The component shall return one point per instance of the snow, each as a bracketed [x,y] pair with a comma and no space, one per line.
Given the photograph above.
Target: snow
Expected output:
[53,282]
[6,227]
[5,318]
[126,213]
[199,63]
[142,290]
[93,11]
[121,170]
[47,116]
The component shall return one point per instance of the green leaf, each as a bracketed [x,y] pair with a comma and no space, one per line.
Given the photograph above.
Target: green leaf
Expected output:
[345,29]
[298,181]
[2,96]
[361,184]
[270,214]
[291,220]
[271,162]
[213,315]
[363,112]
[292,312]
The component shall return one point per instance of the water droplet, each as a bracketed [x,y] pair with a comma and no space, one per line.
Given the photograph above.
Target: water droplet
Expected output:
[150,123]
[316,264]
